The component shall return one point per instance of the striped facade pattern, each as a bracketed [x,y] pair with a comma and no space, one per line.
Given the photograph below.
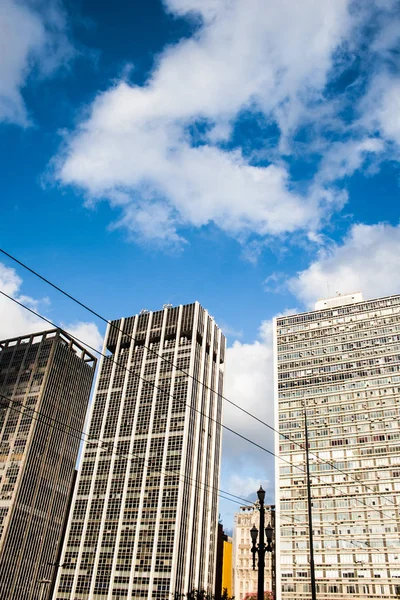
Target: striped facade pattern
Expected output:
[342,365]
[48,377]
[144,516]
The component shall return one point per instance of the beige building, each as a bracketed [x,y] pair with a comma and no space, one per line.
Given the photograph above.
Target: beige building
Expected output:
[143,521]
[244,578]
[340,363]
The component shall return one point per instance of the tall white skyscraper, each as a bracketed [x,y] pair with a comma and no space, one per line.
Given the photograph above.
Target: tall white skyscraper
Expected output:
[340,363]
[143,521]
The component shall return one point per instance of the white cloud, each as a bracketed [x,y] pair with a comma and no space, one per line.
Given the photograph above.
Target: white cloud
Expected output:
[87,333]
[344,158]
[32,40]
[16,320]
[249,383]
[246,486]
[366,261]
[381,107]
[135,149]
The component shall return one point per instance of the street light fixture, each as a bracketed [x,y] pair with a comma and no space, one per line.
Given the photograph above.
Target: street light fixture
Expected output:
[269,533]
[261,548]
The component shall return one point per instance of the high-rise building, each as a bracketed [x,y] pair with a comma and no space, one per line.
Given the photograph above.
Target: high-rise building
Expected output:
[144,517]
[245,579]
[341,364]
[45,382]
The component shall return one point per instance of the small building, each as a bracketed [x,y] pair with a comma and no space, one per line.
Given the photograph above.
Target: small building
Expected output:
[244,577]
[223,572]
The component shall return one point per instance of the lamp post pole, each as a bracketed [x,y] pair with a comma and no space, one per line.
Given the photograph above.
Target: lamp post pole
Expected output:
[310,523]
[273,555]
[261,548]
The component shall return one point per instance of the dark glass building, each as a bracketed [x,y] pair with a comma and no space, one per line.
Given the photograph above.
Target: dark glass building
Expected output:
[45,383]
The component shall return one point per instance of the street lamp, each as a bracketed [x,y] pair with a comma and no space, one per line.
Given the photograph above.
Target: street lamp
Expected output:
[261,548]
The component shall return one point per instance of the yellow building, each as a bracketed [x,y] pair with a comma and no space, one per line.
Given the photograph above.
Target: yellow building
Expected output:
[227,582]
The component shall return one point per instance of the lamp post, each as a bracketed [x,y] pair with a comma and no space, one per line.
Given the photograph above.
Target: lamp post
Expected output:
[261,548]
[309,504]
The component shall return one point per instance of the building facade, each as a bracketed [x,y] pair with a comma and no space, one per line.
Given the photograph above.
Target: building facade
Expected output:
[227,567]
[341,364]
[224,567]
[144,517]
[244,577]
[45,383]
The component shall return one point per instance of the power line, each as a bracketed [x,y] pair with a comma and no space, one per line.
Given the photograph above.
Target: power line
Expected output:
[205,386]
[162,472]
[142,378]
[192,408]
[43,418]
[291,518]
[130,455]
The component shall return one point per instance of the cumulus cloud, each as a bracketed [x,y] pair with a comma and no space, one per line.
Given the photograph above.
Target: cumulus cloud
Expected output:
[344,158]
[16,321]
[246,487]
[367,260]
[33,40]
[381,107]
[136,148]
[87,332]
[249,384]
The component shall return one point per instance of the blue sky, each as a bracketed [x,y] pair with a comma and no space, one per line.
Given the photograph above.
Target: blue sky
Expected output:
[244,154]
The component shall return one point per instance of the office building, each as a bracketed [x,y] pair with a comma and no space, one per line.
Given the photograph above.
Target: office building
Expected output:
[245,579]
[341,364]
[224,567]
[45,382]
[144,516]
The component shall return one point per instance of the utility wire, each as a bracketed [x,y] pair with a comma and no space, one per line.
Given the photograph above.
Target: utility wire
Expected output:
[192,408]
[118,454]
[141,378]
[205,386]
[332,535]
[43,418]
